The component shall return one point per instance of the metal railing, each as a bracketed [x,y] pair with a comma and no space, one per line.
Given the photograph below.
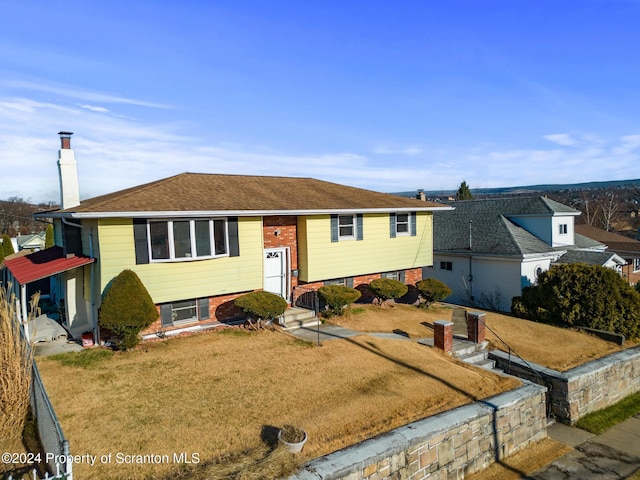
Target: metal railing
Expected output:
[305,297]
[510,350]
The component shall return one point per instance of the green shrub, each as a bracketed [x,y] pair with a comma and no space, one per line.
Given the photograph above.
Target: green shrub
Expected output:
[387,289]
[262,307]
[432,290]
[583,296]
[337,297]
[127,308]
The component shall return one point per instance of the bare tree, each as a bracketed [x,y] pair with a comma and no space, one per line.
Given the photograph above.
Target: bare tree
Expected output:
[590,209]
[608,206]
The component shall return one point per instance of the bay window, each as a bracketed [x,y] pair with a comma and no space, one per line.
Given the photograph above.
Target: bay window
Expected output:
[177,240]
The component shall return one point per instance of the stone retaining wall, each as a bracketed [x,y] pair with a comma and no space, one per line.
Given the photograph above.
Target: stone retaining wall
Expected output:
[449,445]
[584,389]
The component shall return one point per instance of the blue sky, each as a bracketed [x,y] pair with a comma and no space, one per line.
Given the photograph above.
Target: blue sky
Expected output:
[383,95]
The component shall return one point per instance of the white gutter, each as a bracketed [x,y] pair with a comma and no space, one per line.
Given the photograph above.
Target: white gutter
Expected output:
[233,213]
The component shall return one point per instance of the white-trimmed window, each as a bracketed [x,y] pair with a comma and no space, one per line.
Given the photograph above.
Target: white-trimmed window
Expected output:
[184,311]
[403,224]
[346,227]
[398,275]
[181,240]
[337,281]
[563,229]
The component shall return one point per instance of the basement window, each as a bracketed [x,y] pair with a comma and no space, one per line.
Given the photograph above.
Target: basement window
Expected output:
[184,312]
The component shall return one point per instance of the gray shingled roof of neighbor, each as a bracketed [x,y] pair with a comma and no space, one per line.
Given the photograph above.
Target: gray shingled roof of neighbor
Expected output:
[243,194]
[491,231]
[584,256]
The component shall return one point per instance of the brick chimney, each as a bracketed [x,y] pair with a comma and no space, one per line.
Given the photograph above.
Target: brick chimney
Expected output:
[68,168]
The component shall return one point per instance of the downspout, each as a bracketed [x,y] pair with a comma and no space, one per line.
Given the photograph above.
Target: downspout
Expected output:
[96,329]
[23,307]
[471,261]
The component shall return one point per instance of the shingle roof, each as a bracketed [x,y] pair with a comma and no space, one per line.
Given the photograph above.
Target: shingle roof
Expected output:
[617,243]
[586,256]
[492,231]
[190,192]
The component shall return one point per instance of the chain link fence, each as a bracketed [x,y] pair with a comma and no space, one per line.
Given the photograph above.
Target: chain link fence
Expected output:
[54,444]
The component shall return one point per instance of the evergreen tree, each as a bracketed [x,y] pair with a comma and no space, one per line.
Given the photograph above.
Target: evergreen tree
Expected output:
[464,192]
[582,295]
[127,308]
[49,238]
[7,246]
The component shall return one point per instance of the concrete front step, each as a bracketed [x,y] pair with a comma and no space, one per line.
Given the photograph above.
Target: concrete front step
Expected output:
[296,317]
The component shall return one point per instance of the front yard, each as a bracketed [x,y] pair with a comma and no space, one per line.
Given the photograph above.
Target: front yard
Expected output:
[213,395]
[557,348]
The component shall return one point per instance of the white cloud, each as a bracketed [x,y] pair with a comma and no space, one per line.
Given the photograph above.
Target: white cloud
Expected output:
[116,152]
[71,91]
[561,139]
[410,150]
[94,108]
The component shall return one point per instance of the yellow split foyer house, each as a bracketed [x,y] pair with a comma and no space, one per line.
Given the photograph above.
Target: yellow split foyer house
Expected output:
[198,241]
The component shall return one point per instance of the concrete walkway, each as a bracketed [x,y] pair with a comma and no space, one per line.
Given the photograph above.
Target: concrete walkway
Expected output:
[614,454]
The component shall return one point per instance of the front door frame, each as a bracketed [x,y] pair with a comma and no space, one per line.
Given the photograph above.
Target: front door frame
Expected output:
[286,274]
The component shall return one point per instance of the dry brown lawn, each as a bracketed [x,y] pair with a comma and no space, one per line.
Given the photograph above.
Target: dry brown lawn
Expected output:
[553,347]
[525,462]
[214,394]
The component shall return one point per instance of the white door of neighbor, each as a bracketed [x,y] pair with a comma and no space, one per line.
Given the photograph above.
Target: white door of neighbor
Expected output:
[276,279]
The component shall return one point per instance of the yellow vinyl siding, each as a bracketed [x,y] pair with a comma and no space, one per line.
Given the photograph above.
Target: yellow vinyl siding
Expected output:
[182,280]
[322,259]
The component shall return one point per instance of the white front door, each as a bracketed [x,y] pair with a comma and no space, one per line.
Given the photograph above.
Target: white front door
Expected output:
[276,278]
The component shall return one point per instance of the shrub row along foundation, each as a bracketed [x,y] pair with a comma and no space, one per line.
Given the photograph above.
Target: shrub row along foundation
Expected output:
[584,389]
[449,445]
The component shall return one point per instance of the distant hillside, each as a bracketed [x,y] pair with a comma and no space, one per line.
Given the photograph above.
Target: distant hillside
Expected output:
[533,188]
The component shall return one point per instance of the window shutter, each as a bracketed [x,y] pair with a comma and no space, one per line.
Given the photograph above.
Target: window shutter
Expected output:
[414,227]
[140,240]
[402,276]
[349,282]
[166,315]
[392,225]
[234,243]
[203,309]
[334,228]
[359,228]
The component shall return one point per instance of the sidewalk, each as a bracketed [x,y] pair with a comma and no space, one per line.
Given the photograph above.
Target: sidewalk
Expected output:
[611,455]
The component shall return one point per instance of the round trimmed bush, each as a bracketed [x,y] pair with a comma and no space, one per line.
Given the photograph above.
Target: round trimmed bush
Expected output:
[387,289]
[432,290]
[261,305]
[127,308]
[337,297]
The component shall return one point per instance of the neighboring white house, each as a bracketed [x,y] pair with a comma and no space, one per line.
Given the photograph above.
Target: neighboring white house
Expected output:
[486,251]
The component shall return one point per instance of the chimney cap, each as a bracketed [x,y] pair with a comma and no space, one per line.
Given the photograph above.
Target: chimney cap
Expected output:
[65,134]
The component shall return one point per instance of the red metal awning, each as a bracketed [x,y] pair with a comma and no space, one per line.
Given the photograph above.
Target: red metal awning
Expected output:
[42,264]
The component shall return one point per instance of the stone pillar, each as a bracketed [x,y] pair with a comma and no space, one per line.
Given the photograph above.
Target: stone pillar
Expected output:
[443,335]
[475,327]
